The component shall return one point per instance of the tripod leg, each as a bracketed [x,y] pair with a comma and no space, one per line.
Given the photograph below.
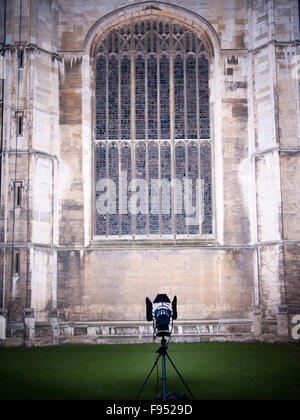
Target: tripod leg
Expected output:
[187,388]
[142,387]
[164,375]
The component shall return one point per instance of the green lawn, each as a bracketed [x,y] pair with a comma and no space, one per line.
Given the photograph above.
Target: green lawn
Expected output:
[211,370]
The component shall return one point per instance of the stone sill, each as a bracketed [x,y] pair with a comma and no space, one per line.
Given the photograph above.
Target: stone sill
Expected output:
[151,243]
[146,323]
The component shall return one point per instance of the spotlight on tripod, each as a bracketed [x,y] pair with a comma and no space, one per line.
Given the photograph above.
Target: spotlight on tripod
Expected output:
[162,312]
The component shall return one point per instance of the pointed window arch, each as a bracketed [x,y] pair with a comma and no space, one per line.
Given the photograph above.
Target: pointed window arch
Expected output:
[152,131]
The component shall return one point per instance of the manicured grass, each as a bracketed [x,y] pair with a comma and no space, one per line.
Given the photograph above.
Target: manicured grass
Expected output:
[211,370]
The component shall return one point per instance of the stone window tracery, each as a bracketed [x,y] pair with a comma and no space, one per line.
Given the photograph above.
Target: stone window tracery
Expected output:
[152,122]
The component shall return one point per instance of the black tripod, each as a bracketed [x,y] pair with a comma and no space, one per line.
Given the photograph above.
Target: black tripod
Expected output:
[162,351]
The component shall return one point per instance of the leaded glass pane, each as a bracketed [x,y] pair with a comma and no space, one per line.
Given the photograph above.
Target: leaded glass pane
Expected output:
[101,98]
[193,175]
[113,111]
[153,164]
[204,98]
[207,193]
[100,173]
[191,96]
[113,174]
[140,97]
[166,174]
[126,173]
[165,97]
[152,98]
[179,97]
[180,175]
[125,98]
[140,166]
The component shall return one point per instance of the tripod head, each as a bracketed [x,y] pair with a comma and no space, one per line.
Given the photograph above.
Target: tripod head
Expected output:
[164,346]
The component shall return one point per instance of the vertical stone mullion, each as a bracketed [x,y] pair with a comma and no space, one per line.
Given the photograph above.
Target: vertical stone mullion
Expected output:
[173,175]
[107,175]
[133,176]
[149,186]
[107,95]
[185,89]
[132,75]
[119,145]
[197,97]
[201,189]
[172,86]
[158,96]
[133,131]
[186,151]
[159,190]
[119,89]
[146,98]
[172,124]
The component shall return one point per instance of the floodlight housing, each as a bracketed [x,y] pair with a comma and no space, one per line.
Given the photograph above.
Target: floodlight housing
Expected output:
[161,312]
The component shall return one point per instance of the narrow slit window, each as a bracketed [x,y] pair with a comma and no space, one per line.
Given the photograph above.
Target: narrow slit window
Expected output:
[19,123]
[18,193]
[20,55]
[17,262]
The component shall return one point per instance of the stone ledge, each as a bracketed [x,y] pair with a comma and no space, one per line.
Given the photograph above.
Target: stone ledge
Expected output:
[142,331]
[12,342]
[149,339]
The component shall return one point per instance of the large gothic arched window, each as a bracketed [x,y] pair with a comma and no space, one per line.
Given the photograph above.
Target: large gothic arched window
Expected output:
[152,133]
